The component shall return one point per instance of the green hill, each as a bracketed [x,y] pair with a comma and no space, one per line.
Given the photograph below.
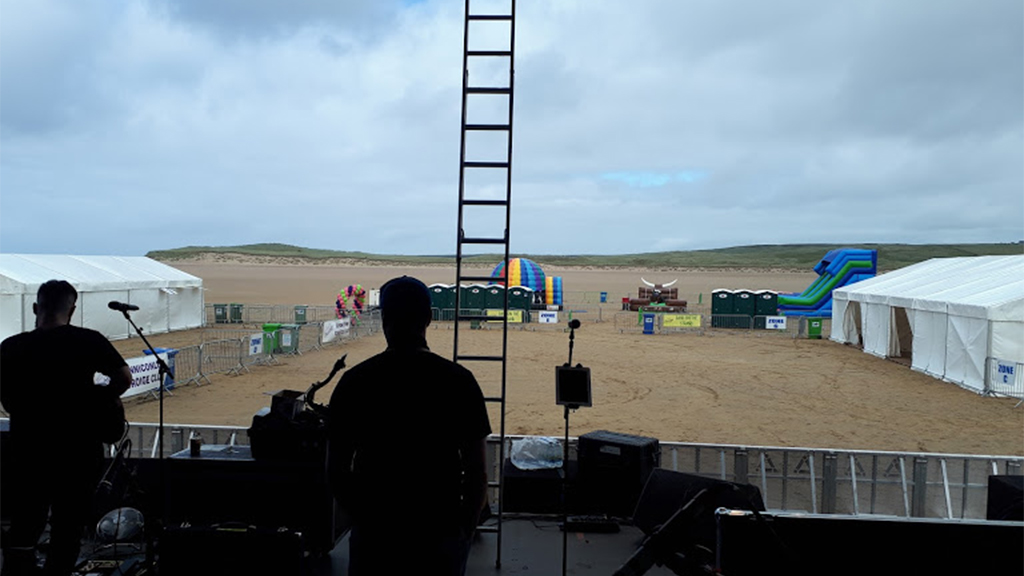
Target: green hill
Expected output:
[793,256]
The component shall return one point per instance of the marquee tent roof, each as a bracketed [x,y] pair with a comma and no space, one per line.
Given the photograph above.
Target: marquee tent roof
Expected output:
[989,287]
[20,273]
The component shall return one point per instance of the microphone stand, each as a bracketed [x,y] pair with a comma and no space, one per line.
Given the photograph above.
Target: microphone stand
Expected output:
[164,372]
[565,460]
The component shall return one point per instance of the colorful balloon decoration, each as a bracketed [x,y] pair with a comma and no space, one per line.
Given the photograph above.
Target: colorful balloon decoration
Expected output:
[521,272]
[351,302]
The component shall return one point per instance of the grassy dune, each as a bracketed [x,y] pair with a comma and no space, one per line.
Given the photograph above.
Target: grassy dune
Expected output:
[795,256]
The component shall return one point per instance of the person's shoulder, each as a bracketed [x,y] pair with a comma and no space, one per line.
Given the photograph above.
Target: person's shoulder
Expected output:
[12,342]
[445,364]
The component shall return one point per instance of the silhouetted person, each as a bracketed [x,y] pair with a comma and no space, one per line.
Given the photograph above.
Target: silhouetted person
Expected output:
[406,452]
[47,387]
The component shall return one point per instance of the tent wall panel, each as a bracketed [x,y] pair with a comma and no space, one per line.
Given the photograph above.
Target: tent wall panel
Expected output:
[180,306]
[96,314]
[1007,341]
[876,329]
[12,313]
[966,349]
[152,313]
[839,327]
[929,343]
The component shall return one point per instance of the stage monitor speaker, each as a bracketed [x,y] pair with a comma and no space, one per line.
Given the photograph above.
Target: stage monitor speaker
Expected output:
[1005,498]
[613,469]
[667,491]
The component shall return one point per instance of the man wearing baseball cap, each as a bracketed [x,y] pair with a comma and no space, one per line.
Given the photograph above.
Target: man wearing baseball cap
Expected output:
[407,443]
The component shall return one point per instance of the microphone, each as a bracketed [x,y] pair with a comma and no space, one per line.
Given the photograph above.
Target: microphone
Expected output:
[115,305]
[574,324]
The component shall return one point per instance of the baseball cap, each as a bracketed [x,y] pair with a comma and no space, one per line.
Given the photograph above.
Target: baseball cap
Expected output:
[405,300]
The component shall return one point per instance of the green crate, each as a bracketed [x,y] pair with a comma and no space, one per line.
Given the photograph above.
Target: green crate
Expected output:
[300,314]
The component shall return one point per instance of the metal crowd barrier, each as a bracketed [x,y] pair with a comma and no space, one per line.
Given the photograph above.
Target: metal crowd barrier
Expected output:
[812,480]
[228,350]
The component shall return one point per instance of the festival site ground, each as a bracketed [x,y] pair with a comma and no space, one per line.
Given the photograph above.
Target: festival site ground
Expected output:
[734,387]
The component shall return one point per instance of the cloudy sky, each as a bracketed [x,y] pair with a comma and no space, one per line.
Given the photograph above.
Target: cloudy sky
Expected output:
[640,125]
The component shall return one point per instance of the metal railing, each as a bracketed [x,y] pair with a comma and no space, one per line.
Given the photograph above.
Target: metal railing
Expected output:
[813,480]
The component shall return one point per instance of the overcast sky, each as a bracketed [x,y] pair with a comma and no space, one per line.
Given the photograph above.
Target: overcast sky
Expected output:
[640,125]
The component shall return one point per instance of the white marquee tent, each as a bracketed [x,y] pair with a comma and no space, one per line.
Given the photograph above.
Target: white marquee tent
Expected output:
[958,319]
[168,299]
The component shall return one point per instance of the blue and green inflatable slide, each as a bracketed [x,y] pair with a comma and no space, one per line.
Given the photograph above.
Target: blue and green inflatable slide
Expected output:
[838,268]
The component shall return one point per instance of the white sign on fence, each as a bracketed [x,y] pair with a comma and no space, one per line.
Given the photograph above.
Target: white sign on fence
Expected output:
[1006,377]
[256,344]
[286,338]
[548,317]
[775,322]
[145,375]
[335,328]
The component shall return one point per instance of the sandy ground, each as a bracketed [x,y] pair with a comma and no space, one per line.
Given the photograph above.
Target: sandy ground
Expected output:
[731,387]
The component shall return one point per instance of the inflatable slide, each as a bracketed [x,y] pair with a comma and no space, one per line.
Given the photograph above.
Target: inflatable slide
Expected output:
[838,268]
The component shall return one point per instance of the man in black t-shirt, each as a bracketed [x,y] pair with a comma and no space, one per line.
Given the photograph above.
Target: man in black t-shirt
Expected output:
[47,386]
[407,444]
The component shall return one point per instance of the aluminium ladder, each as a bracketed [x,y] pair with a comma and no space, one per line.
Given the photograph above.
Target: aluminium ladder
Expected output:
[489,205]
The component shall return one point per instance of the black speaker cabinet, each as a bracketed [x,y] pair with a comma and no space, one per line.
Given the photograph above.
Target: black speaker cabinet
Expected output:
[613,469]
[807,544]
[1005,498]
[667,491]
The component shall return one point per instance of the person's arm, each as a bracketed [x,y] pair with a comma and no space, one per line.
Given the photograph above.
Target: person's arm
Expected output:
[474,492]
[120,380]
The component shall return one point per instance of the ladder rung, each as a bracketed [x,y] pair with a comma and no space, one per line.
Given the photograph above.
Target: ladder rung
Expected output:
[489,53]
[493,399]
[489,16]
[482,358]
[485,202]
[492,127]
[494,279]
[493,484]
[483,240]
[488,529]
[487,90]
[485,164]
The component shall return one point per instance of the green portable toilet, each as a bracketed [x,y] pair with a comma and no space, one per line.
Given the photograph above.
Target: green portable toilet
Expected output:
[270,334]
[300,314]
[288,338]
[220,313]
[441,297]
[476,297]
[767,305]
[495,297]
[236,313]
[814,328]
[520,298]
[721,306]
[744,303]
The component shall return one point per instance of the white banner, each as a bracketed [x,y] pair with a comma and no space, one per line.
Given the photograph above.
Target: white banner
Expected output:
[1007,377]
[775,322]
[145,375]
[335,328]
[548,317]
[256,344]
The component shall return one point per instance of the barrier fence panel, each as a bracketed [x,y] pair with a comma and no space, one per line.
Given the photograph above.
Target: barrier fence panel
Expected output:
[222,356]
[1004,378]
[188,365]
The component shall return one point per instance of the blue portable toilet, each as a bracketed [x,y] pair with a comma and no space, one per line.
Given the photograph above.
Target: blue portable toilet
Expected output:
[648,323]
